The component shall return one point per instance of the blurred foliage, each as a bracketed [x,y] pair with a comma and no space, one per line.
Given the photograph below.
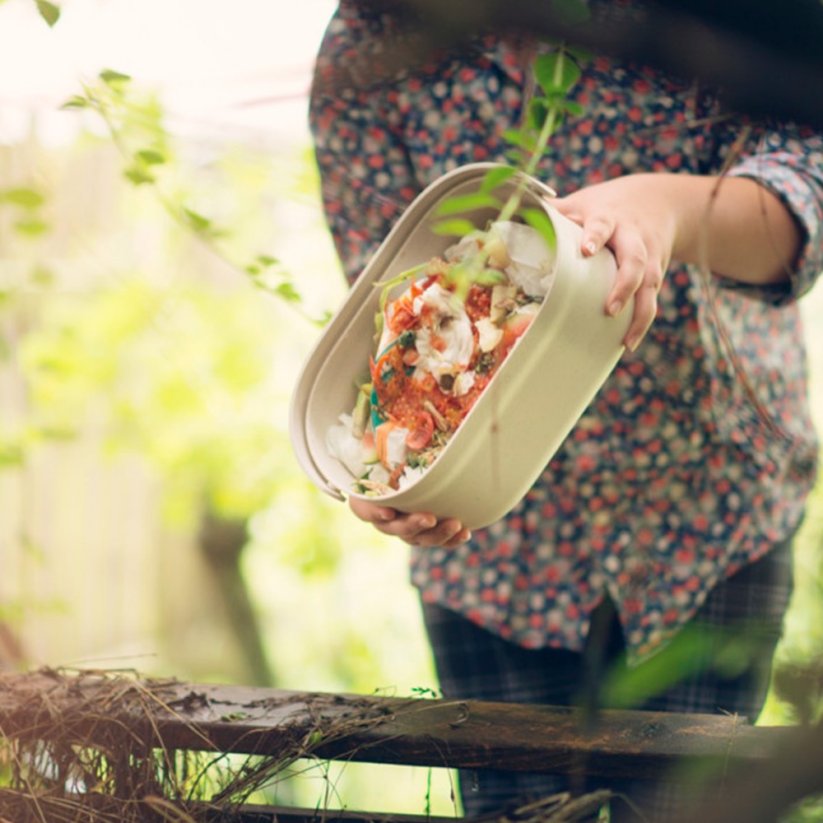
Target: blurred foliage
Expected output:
[151,316]
[180,376]
[797,696]
[177,370]
[26,207]
[48,11]
[135,123]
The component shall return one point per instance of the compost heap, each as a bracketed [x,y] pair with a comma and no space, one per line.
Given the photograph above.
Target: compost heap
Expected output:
[437,352]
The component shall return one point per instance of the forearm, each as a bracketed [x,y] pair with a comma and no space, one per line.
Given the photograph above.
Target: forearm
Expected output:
[734,227]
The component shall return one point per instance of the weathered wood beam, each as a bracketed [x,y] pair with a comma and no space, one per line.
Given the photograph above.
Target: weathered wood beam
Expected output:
[250,813]
[98,709]
[16,807]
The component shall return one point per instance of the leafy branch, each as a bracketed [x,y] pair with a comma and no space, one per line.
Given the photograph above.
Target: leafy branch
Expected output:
[135,125]
[555,75]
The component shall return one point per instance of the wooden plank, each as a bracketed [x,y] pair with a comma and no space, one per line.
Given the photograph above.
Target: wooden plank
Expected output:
[19,806]
[250,813]
[426,732]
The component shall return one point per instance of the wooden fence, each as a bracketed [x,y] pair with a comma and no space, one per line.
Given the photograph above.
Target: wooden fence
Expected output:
[100,747]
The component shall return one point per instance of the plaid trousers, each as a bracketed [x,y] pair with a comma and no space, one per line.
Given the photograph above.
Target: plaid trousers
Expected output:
[742,614]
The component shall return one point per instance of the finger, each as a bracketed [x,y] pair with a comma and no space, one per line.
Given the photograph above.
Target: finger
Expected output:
[598,230]
[371,512]
[632,262]
[645,303]
[461,537]
[412,528]
[444,533]
[645,309]
[391,522]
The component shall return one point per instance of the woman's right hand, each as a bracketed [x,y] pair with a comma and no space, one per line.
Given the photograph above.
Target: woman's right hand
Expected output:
[416,529]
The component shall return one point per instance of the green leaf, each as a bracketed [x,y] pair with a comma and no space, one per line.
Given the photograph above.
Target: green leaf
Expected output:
[41,276]
[555,98]
[556,72]
[267,260]
[25,198]
[113,78]
[48,11]
[11,455]
[31,227]
[467,202]
[545,67]
[288,292]
[489,277]
[138,175]
[538,219]
[196,220]
[573,108]
[76,102]
[456,227]
[324,318]
[151,157]
[58,434]
[538,112]
[514,155]
[520,139]
[496,177]
[461,279]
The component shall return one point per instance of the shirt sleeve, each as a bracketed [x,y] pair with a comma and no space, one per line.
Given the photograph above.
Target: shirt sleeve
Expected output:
[789,163]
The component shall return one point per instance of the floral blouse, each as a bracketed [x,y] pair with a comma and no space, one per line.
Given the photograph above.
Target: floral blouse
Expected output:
[697,455]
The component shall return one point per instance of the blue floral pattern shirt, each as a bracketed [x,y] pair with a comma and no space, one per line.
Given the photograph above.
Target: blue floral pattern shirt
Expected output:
[697,455]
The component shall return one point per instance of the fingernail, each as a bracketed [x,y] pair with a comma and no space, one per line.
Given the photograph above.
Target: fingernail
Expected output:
[589,247]
[632,343]
[614,307]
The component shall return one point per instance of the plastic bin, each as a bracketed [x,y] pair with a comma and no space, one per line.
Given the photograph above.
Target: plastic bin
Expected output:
[530,405]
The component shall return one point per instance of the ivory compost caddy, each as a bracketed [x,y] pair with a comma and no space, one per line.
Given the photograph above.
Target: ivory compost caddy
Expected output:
[530,405]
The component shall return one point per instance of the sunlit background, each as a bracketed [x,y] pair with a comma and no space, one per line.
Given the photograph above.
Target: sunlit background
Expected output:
[153,515]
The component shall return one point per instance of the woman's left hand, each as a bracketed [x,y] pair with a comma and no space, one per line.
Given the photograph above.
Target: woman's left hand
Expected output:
[730,226]
[634,218]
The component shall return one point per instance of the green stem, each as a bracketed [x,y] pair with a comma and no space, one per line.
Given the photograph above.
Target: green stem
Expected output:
[546,131]
[388,285]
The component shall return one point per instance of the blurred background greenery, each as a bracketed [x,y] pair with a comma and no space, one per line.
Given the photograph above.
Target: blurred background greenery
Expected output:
[163,263]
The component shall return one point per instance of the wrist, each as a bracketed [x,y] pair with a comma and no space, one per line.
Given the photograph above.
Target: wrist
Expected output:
[733,226]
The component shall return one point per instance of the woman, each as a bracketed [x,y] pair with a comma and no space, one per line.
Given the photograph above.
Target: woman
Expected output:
[674,501]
